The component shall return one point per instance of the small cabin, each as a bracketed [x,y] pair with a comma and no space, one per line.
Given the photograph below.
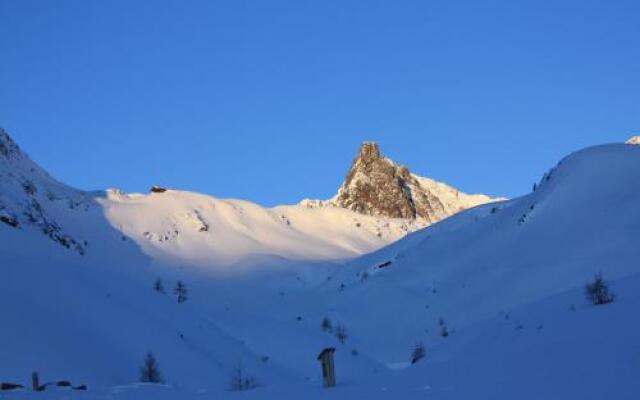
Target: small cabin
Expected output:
[328,371]
[158,189]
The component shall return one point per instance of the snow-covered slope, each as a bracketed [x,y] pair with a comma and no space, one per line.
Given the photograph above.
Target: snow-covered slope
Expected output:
[31,199]
[503,280]
[181,226]
[375,185]
[78,270]
[582,219]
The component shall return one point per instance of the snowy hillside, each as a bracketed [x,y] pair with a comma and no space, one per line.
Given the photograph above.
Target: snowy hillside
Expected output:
[494,293]
[484,262]
[30,198]
[82,266]
[180,226]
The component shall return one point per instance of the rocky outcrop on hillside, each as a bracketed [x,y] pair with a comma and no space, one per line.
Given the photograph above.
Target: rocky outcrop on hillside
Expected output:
[377,186]
[28,195]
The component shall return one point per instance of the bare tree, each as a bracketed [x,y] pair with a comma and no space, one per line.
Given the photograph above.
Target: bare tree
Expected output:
[341,333]
[149,372]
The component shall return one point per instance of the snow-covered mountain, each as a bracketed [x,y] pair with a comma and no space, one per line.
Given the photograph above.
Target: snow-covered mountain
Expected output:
[181,226]
[375,185]
[494,293]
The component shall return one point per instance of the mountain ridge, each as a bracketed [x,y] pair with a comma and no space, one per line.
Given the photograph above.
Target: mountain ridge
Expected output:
[175,220]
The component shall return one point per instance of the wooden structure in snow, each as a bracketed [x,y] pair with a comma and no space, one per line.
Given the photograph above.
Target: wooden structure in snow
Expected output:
[35,382]
[158,189]
[328,371]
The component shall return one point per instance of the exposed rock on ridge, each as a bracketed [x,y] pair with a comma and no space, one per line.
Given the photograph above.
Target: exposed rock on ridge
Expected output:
[29,196]
[377,186]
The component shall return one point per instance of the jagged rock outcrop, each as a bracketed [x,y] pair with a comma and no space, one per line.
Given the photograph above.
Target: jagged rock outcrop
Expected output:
[377,186]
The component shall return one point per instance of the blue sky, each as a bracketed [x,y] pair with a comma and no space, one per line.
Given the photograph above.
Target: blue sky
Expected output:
[268,101]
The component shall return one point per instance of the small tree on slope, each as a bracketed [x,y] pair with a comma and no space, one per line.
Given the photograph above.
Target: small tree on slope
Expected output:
[326,325]
[240,381]
[180,291]
[341,333]
[158,286]
[149,371]
[597,291]
[418,353]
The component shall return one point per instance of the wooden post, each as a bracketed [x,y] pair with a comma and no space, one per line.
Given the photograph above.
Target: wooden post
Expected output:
[35,382]
[328,371]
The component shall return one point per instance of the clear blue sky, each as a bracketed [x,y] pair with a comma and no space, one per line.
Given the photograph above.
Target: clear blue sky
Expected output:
[269,100]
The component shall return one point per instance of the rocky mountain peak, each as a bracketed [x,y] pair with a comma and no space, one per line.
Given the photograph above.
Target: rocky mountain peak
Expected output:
[369,152]
[377,186]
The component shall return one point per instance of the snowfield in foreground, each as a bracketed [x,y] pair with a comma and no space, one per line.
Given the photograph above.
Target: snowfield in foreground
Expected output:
[546,350]
[495,294]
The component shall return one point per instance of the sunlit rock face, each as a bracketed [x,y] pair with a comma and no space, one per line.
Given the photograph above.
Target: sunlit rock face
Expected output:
[375,185]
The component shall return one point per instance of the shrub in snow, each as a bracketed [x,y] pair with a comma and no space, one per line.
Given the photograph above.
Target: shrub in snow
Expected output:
[149,371]
[341,333]
[326,325]
[444,331]
[29,188]
[10,386]
[240,381]
[597,291]
[158,286]
[418,353]
[181,291]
